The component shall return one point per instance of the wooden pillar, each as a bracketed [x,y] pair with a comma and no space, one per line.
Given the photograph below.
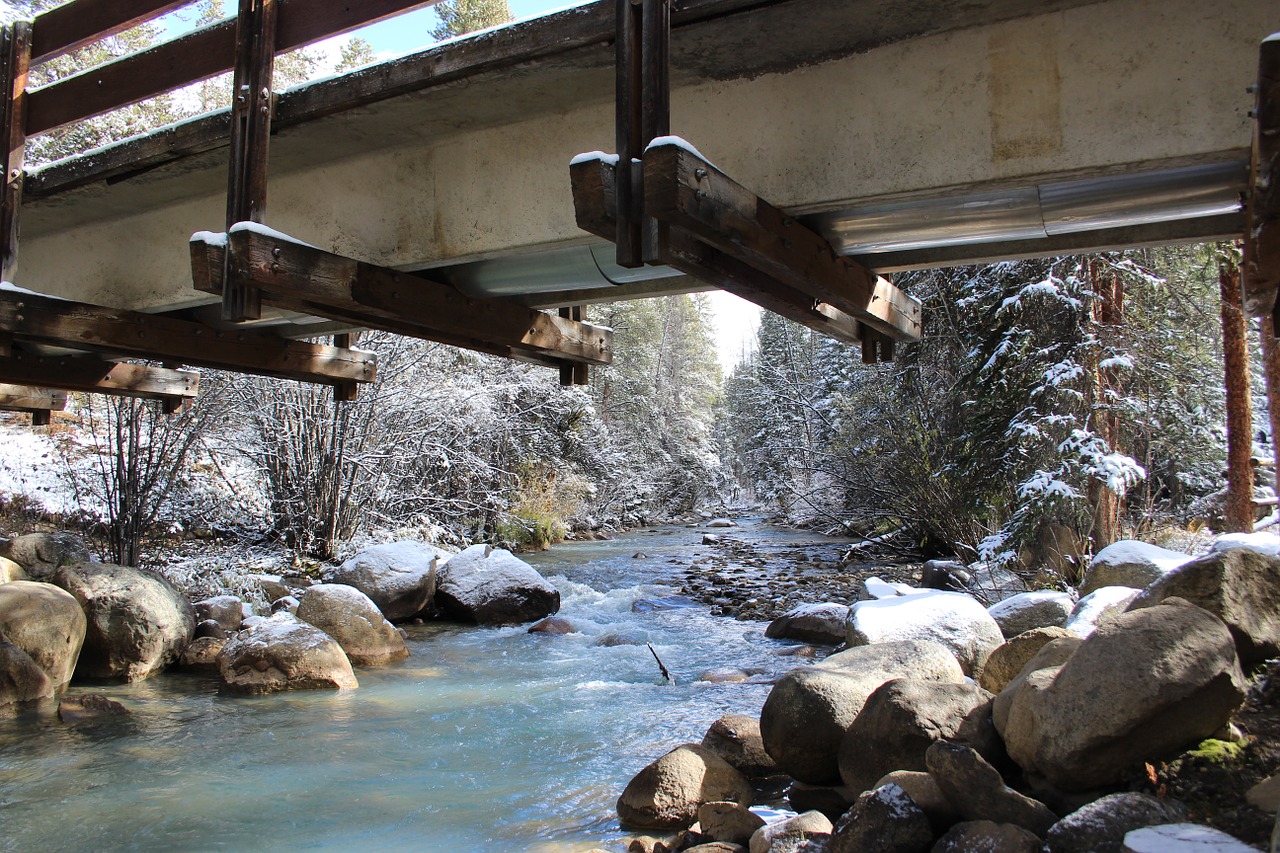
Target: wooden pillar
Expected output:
[1262,232]
[345,392]
[251,105]
[573,373]
[643,113]
[15,58]
[1235,351]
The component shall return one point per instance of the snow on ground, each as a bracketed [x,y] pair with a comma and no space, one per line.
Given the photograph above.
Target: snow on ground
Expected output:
[35,464]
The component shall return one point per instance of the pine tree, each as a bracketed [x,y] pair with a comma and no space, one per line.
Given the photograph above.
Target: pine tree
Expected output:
[355,53]
[459,17]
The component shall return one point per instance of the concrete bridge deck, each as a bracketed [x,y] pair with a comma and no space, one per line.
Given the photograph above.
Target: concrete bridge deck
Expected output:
[911,132]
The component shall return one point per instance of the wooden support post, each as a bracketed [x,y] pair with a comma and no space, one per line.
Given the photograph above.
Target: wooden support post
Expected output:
[116,331]
[629,97]
[299,277]
[573,373]
[344,392]
[94,376]
[41,417]
[15,57]
[250,135]
[1262,232]
[1235,349]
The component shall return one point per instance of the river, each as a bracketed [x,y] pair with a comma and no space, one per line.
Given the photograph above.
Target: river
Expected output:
[485,739]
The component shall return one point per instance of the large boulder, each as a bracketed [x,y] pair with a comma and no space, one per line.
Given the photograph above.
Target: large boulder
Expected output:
[886,820]
[1262,543]
[666,794]
[283,653]
[1100,826]
[732,823]
[492,586]
[953,619]
[1240,586]
[1130,563]
[1099,606]
[903,717]
[21,679]
[138,622]
[809,709]
[1030,610]
[400,577]
[1050,656]
[736,739]
[811,623]
[11,571]
[350,617]
[978,791]
[46,623]
[41,554]
[972,836]
[1142,687]
[1004,664]
[226,610]
[791,835]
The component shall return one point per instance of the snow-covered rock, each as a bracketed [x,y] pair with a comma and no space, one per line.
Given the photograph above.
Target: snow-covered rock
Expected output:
[1183,838]
[492,586]
[722,522]
[1094,608]
[811,623]
[883,819]
[1028,610]
[283,653]
[1103,824]
[1263,543]
[877,588]
[400,577]
[350,617]
[953,619]
[1130,563]
[991,583]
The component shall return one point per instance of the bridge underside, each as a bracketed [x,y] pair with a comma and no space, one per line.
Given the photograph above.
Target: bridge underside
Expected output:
[909,134]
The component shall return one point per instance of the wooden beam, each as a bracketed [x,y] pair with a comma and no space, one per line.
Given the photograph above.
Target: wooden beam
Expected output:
[685,190]
[24,398]
[15,56]
[299,277]
[64,28]
[344,392]
[130,333]
[95,376]
[1261,269]
[194,57]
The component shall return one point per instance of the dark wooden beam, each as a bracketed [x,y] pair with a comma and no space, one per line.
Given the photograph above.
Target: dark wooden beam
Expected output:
[683,189]
[1261,271]
[95,376]
[15,56]
[298,277]
[24,398]
[344,392]
[64,28]
[116,331]
[205,53]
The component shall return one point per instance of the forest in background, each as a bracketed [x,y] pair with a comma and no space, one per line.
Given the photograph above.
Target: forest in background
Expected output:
[1052,406]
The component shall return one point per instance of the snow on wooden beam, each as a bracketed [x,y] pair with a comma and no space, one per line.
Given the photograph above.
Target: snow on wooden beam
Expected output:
[303,278]
[95,376]
[1262,234]
[43,320]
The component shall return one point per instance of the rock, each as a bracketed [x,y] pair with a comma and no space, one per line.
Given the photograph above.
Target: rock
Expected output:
[273,587]
[1142,687]
[1099,606]
[1266,794]
[288,604]
[138,622]
[201,655]
[1182,838]
[11,571]
[74,709]
[492,586]
[736,739]
[649,844]
[226,610]
[953,619]
[46,622]
[1130,563]
[400,577]
[903,717]
[716,847]
[786,836]
[984,835]
[1051,655]
[978,792]
[660,603]
[809,709]
[727,821]
[1262,543]
[667,793]
[926,794]
[877,588]
[949,575]
[1030,610]
[1240,587]
[1010,657]
[710,539]
[21,679]
[209,628]
[41,554]
[811,623]
[990,583]
[722,522]
[1100,826]
[283,653]
[832,800]
[350,617]
[553,625]
[886,820]
[622,638]
[724,675]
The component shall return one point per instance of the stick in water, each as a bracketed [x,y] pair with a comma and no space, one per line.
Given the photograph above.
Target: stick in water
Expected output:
[665,673]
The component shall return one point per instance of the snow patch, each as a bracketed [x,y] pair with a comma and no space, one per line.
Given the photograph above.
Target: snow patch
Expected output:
[589,156]
[259,228]
[677,141]
[1094,606]
[210,238]
[1263,543]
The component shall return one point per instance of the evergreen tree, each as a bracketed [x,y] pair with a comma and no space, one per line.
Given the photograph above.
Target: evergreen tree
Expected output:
[459,17]
[355,53]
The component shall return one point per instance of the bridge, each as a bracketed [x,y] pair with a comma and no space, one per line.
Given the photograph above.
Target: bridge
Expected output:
[830,143]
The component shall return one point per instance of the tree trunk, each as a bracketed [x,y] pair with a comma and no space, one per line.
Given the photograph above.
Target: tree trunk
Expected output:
[1107,315]
[1271,361]
[1235,351]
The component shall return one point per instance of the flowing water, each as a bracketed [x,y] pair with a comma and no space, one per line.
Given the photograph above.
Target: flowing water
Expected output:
[485,739]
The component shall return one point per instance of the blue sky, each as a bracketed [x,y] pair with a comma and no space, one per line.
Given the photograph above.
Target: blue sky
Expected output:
[409,32]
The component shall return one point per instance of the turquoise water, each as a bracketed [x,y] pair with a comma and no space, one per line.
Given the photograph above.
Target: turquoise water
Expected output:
[483,740]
